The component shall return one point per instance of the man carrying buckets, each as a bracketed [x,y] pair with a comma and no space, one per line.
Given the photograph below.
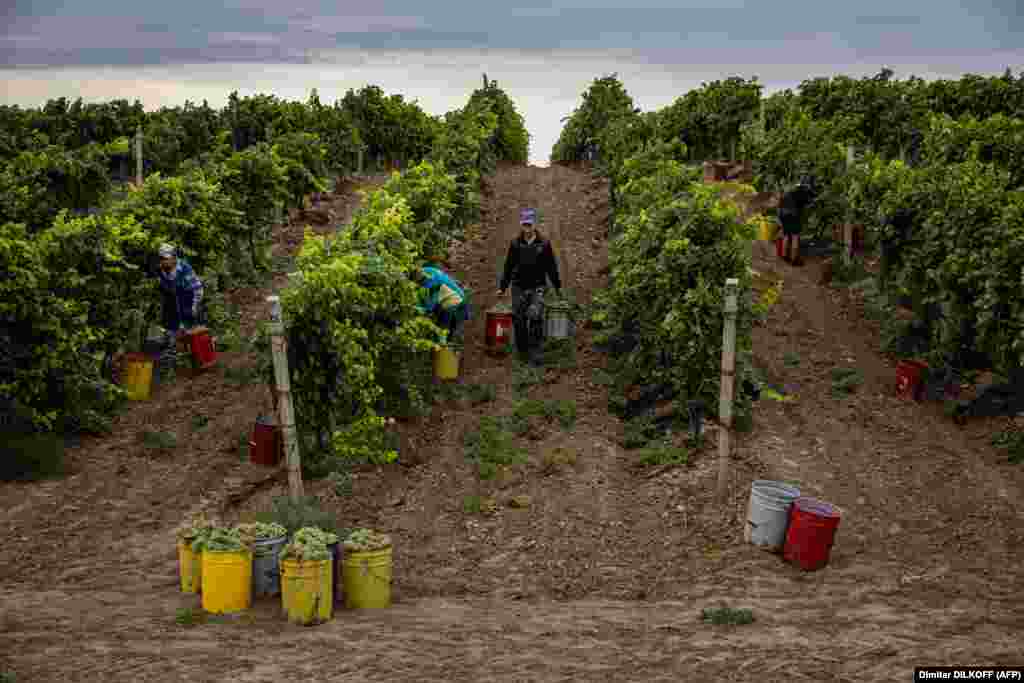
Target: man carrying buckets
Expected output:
[529,264]
[446,300]
[181,292]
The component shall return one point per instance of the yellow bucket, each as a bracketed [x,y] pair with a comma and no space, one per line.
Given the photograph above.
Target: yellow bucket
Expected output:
[766,230]
[307,590]
[227,581]
[190,565]
[366,577]
[138,376]
[446,363]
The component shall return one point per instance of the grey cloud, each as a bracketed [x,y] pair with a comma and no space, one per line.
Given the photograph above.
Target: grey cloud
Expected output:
[883,21]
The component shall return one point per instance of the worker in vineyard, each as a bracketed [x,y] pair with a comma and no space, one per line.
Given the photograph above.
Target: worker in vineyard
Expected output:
[181,292]
[791,214]
[445,300]
[530,263]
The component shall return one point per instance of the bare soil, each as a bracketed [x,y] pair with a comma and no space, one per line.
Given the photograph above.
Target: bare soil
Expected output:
[602,576]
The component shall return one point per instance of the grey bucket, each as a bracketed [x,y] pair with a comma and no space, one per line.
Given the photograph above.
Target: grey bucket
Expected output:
[768,514]
[266,574]
[558,322]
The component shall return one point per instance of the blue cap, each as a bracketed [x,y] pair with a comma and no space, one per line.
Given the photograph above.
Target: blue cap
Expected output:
[528,216]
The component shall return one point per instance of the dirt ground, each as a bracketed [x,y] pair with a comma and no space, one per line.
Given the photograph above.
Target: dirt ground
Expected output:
[602,576]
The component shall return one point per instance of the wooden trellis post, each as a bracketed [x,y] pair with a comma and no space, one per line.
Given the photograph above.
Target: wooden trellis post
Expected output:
[285,413]
[728,378]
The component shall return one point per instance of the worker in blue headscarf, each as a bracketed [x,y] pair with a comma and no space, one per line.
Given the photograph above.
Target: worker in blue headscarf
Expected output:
[445,300]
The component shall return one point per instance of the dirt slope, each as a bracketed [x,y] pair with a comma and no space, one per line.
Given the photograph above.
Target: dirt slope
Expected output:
[603,575]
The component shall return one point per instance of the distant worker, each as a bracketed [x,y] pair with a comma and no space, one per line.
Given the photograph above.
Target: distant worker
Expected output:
[446,301]
[530,263]
[792,208]
[181,291]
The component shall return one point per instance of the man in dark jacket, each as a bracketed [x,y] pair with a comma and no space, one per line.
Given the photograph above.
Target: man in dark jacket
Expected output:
[791,210]
[528,266]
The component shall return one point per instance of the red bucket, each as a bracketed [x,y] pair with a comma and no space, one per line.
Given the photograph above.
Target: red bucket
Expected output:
[811,533]
[201,344]
[778,247]
[499,330]
[265,447]
[908,378]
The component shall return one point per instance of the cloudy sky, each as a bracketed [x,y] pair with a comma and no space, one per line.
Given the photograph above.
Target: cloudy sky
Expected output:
[543,52]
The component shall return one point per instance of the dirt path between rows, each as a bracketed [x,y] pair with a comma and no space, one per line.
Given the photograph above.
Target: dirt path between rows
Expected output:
[603,575]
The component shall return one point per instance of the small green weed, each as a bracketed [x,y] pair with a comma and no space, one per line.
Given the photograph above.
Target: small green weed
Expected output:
[200,422]
[791,359]
[471,505]
[525,376]
[341,482]
[727,615]
[479,394]
[564,411]
[639,432]
[242,447]
[603,378]
[490,446]
[559,353]
[661,453]
[8,677]
[1012,442]
[189,616]
[158,441]
[845,381]
[854,273]
[242,376]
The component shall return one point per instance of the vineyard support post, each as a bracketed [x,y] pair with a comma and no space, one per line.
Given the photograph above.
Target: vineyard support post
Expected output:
[726,395]
[285,416]
[138,156]
[848,223]
[359,152]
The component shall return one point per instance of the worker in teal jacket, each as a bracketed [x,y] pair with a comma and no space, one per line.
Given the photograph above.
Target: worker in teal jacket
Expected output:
[446,300]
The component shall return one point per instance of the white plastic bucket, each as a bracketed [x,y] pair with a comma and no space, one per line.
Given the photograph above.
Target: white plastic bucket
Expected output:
[768,514]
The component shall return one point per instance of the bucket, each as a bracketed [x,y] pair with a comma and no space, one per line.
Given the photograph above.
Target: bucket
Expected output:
[265,447]
[908,378]
[201,344]
[306,591]
[557,321]
[446,363]
[266,570]
[499,331]
[190,566]
[779,250]
[367,579]
[768,514]
[137,375]
[335,549]
[765,231]
[812,530]
[227,581]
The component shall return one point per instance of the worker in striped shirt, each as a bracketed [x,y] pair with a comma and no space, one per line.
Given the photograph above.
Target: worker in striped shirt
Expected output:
[446,301]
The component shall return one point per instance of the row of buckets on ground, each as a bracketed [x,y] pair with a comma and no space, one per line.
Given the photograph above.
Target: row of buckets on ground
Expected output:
[229,581]
[779,519]
[138,371]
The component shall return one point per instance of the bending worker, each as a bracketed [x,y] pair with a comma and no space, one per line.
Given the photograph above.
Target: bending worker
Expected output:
[446,301]
[181,291]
